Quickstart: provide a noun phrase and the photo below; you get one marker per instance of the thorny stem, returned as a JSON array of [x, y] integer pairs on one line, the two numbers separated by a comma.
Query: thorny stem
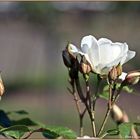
[[96, 92], [107, 112], [80, 112], [118, 93], [92, 112], [80, 93], [93, 102], [110, 103], [110, 96]]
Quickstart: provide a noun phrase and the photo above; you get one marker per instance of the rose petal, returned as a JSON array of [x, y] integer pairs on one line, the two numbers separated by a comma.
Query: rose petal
[[128, 56], [111, 52], [122, 76], [90, 47], [73, 48]]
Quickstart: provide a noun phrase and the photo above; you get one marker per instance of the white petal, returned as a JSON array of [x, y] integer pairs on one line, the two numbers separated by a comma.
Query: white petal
[[110, 52], [128, 56], [101, 41], [90, 47], [122, 76], [73, 48], [87, 42]]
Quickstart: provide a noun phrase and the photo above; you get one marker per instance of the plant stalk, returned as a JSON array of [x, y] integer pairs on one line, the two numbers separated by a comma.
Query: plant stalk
[[84, 100], [110, 103], [80, 113], [108, 110]]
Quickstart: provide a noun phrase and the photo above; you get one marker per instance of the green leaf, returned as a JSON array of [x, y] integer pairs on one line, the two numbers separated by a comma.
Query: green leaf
[[127, 89], [1, 127], [111, 132], [136, 124], [4, 119], [50, 134], [16, 131], [63, 132], [24, 121], [105, 92], [125, 129], [137, 127], [20, 112], [104, 95]]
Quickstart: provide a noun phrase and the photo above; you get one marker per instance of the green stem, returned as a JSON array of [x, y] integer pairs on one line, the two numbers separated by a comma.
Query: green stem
[[110, 105], [107, 112], [118, 93]]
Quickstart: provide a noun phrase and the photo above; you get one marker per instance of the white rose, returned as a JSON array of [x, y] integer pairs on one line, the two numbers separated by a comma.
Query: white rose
[[103, 54]]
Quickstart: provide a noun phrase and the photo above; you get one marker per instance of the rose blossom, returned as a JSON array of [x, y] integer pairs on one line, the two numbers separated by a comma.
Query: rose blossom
[[103, 54]]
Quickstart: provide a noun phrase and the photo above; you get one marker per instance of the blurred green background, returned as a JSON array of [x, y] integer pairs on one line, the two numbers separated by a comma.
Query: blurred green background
[[32, 37]]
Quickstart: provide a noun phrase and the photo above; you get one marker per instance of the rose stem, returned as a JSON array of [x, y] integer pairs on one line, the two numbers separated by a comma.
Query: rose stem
[[108, 110], [80, 113], [92, 113], [110, 106], [80, 93]]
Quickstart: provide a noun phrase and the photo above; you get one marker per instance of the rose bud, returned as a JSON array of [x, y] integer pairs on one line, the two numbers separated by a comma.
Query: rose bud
[[119, 69], [120, 116], [66, 58], [112, 74], [132, 78], [116, 114], [1, 87], [85, 67], [72, 50], [69, 55]]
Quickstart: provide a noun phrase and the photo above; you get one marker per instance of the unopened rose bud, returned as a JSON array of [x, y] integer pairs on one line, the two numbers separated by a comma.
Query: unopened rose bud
[[120, 116], [85, 67], [119, 70], [1, 87], [116, 114], [72, 50], [112, 74], [66, 58], [132, 78], [69, 56]]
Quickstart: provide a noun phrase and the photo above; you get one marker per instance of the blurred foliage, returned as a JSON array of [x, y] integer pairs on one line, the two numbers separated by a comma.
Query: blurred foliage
[[127, 5], [40, 12], [55, 80], [23, 128]]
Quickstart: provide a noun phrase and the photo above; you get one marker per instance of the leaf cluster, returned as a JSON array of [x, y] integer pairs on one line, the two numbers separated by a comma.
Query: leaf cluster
[[25, 127]]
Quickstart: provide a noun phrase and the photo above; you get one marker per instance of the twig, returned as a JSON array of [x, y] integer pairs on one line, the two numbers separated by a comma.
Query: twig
[[108, 110], [110, 105], [80, 113], [91, 115], [31, 132]]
